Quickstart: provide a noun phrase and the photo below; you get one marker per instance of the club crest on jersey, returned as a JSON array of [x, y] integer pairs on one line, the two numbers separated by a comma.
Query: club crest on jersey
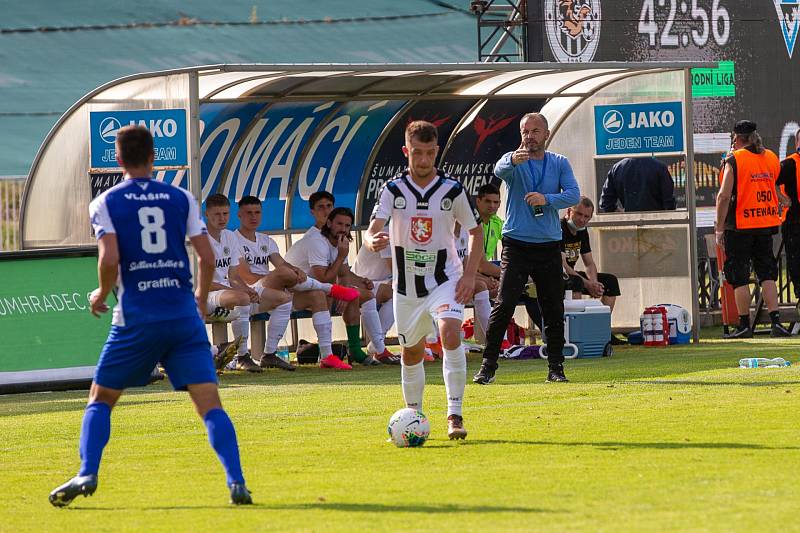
[[226, 251], [447, 204], [264, 248], [399, 202], [421, 229]]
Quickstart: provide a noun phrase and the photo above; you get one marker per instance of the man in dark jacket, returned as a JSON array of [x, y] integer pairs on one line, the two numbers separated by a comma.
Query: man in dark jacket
[[639, 184]]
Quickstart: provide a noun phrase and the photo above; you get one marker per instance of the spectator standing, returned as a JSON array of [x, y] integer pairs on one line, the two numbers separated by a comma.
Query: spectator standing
[[638, 184]]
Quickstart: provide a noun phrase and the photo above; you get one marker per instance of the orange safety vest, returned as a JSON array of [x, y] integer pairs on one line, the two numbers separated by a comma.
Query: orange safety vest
[[756, 202], [796, 158]]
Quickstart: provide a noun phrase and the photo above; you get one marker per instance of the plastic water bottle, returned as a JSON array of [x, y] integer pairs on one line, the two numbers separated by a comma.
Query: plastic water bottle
[[763, 362], [283, 351]]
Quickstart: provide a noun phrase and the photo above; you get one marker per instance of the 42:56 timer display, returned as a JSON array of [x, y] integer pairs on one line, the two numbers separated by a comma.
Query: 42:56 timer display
[[681, 23]]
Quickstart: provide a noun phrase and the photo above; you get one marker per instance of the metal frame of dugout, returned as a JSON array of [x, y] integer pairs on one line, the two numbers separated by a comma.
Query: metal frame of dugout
[[281, 132]]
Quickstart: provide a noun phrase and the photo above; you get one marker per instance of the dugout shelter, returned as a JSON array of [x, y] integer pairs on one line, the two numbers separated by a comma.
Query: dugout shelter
[[282, 132]]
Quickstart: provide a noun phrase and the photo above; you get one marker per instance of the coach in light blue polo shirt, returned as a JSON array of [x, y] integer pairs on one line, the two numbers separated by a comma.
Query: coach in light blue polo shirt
[[539, 184]]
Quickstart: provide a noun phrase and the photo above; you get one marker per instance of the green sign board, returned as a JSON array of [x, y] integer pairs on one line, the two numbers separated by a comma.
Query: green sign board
[[45, 321], [714, 82]]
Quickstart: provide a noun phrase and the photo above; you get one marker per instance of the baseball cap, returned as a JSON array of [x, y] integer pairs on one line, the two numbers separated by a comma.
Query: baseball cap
[[744, 127]]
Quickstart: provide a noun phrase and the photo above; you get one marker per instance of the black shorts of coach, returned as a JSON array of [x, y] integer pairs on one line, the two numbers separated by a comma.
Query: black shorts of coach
[[609, 281], [743, 250]]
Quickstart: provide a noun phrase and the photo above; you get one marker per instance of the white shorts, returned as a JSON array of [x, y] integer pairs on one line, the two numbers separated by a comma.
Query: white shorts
[[214, 310], [413, 316], [257, 286], [376, 285]]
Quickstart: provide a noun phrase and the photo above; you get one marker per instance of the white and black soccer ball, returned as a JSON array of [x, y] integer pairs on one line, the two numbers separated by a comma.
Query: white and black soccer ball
[[408, 428]]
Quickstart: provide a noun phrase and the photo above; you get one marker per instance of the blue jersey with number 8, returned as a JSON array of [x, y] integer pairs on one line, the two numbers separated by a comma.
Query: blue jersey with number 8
[[151, 220]]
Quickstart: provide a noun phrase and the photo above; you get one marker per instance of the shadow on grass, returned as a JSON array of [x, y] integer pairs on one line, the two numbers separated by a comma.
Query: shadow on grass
[[64, 406], [613, 445], [337, 506]]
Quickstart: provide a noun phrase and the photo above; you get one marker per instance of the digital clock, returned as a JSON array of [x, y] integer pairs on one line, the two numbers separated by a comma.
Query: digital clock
[[698, 21]]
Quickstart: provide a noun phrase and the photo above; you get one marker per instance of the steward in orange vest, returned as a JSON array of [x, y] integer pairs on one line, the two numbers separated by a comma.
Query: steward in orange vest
[[748, 215], [789, 179]]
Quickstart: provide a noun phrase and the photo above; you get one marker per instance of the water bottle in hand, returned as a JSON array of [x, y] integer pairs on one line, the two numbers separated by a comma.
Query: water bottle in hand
[[763, 362], [283, 351]]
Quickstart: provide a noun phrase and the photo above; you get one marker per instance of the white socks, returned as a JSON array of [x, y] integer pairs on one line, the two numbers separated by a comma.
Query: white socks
[[310, 284], [413, 380], [455, 378], [322, 325], [276, 326], [386, 314], [241, 327], [372, 325], [482, 311]]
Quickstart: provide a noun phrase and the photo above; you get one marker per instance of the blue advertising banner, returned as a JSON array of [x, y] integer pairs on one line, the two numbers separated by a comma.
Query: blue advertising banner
[[338, 156], [638, 128], [268, 155], [168, 127], [221, 127]]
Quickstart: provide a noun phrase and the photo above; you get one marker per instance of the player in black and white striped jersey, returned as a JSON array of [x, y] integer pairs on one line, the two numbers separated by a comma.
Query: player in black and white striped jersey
[[423, 206]]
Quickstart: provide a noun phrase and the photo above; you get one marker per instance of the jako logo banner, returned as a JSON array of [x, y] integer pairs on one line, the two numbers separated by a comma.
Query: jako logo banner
[[168, 127]]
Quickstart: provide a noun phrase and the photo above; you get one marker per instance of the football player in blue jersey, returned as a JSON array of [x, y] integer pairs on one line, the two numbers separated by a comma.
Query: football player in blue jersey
[[141, 227]]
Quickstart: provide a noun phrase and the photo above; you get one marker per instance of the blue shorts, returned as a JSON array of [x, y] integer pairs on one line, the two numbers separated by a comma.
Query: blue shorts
[[131, 352]]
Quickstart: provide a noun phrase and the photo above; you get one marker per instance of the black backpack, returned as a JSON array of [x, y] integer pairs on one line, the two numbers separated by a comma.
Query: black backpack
[[308, 352]]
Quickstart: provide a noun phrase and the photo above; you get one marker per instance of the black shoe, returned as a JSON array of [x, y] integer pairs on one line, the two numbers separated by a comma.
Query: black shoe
[[556, 374], [157, 374], [246, 363], [226, 351], [63, 495], [616, 341], [485, 375], [779, 331], [739, 333], [240, 495], [270, 360]]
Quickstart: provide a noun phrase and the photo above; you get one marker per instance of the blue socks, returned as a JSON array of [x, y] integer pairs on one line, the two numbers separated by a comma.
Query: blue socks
[[222, 437], [95, 432]]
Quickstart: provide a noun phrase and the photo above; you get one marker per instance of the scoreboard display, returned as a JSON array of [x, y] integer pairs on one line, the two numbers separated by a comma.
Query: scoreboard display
[[754, 41]]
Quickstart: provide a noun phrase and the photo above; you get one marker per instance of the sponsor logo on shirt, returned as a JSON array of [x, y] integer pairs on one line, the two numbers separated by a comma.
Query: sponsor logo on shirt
[[162, 283], [161, 263]]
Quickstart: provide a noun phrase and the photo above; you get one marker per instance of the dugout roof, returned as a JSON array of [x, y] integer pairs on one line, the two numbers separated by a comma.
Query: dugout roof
[[281, 132]]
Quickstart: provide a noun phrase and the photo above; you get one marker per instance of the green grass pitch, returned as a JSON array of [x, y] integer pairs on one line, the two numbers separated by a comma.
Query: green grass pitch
[[651, 439]]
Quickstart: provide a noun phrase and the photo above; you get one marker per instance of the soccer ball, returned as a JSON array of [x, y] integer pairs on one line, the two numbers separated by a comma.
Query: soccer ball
[[408, 428]]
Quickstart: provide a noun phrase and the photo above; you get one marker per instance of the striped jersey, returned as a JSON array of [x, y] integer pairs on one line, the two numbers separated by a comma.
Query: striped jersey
[[421, 224]]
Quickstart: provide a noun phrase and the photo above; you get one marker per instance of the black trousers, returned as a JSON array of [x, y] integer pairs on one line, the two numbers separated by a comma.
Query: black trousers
[[542, 262]]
